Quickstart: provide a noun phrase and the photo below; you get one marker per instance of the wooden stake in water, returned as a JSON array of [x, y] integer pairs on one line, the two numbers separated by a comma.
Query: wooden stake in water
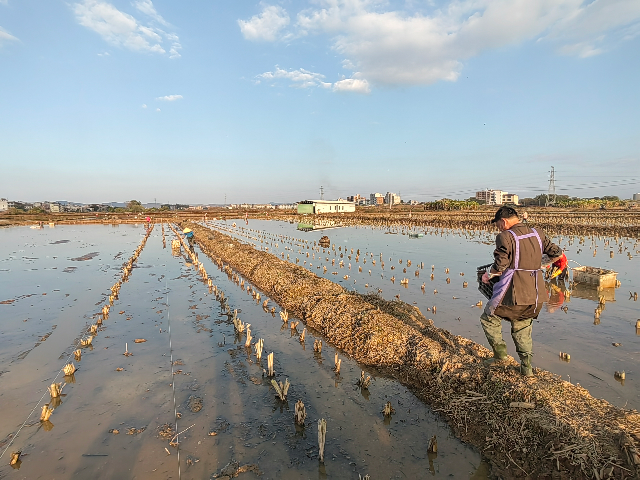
[[258, 346], [15, 458], [300, 413], [388, 410], [270, 365], [336, 368], [322, 435], [433, 445], [46, 413], [55, 389]]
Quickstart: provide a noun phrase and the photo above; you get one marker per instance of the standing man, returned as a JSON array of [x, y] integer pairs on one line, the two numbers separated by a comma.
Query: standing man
[[520, 291]]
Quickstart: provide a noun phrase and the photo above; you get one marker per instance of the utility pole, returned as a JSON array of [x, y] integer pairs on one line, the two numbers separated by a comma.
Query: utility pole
[[321, 192], [551, 194]]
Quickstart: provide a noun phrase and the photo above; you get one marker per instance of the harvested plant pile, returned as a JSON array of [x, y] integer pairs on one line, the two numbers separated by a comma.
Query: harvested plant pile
[[527, 427]]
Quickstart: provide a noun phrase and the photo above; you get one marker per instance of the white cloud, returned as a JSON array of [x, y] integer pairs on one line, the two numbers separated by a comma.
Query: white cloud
[[596, 27], [266, 25], [355, 85], [389, 46], [147, 7], [144, 105], [175, 45], [301, 78], [157, 109], [169, 98], [104, 54], [121, 29], [6, 36], [392, 47], [4, 2]]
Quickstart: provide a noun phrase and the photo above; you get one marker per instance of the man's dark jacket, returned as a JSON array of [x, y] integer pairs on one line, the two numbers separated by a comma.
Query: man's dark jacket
[[519, 301]]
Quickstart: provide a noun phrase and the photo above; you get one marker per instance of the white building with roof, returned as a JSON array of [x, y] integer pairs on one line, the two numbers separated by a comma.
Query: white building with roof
[[325, 206]]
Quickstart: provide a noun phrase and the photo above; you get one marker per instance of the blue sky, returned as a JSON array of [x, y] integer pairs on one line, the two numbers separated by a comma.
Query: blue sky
[[189, 101]]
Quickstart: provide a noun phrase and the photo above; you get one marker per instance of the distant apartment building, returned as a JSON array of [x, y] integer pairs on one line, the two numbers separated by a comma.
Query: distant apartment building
[[55, 208], [19, 205], [391, 199], [510, 198], [376, 199], [4, 205], [497, 197], [358, 199], [636, 196]]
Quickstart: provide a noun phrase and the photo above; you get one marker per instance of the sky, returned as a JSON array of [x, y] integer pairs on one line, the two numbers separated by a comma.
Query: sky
[[208, 101]]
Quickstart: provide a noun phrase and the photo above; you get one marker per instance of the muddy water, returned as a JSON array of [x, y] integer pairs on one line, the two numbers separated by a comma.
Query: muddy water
[[240, 418], [574, 330]]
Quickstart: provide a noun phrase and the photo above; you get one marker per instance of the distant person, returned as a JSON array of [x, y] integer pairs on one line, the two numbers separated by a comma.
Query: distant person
[[525, 217], [519, 292], [188, 234]]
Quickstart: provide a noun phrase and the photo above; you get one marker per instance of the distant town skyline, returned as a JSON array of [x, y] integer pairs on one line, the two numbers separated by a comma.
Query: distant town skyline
[[266, 101], [487, 196]]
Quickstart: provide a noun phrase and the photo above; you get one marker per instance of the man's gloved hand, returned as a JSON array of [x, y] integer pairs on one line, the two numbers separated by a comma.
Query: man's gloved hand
[[560, 266], [561, 263], [485, 277]]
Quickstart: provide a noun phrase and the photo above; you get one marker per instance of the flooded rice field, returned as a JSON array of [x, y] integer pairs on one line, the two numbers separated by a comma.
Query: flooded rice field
[[442, 274], [164, 360]]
